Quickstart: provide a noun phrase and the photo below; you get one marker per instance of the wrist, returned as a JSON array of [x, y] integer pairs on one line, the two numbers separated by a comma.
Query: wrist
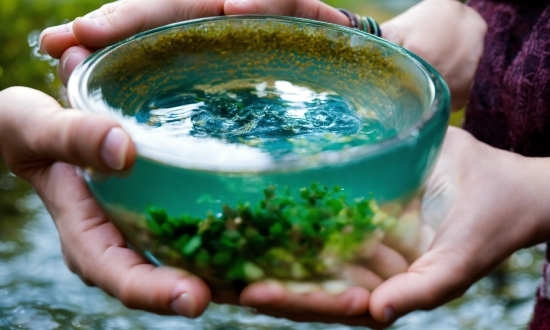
[[536, 176]]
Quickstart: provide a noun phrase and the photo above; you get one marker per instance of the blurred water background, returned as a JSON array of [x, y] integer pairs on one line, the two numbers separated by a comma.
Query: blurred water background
[[37, 291]]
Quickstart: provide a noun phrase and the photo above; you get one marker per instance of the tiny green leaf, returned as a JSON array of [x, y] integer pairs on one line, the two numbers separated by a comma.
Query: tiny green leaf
[[192, 246]]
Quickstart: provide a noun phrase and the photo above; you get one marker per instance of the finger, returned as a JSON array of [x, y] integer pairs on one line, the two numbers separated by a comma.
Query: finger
[[460, 255], [361, 276], [312, 9], [35, 130], [385, 262], [97, 251], [410, 237], [69, 60], [360, 320], [439, 275], [56, 39], [122, 19], [273, 295]]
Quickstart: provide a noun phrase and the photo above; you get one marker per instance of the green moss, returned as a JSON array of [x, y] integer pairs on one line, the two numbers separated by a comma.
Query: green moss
[[283, 237]]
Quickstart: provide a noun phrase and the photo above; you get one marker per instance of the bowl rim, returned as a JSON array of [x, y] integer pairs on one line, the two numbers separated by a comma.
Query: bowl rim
[[439, 103]]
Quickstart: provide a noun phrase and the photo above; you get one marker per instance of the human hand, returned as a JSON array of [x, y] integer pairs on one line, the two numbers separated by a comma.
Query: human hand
[[39, 141], [447, 34], [75, 41], [486, 203]]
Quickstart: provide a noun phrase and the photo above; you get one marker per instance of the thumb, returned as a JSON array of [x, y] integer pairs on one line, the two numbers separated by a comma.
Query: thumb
[[35, 130], [312, 9]]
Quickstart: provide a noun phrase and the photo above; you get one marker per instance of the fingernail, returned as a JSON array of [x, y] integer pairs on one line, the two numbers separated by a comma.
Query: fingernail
[[49, 31], [97, 21], [183, 305], [237, 2], [114, 148], [389, 313], [70, 62]]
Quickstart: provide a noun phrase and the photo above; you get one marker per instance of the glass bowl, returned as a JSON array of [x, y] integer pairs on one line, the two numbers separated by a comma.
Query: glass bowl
[[268, 147]]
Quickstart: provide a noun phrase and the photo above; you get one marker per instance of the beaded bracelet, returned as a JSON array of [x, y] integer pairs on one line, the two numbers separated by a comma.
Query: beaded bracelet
[[363, 23]]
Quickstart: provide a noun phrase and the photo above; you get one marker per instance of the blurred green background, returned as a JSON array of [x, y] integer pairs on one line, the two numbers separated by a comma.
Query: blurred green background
[[18, 66]]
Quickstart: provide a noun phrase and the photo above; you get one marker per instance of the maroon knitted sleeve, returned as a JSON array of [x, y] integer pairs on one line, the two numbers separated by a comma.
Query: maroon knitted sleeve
[[510, 103]]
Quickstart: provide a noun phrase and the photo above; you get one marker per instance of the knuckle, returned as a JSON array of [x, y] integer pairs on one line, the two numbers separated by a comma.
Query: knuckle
[[67, 125], [431, 300], [112, 20], [476, 21], [85, 276], [306, 9], [123, 10], [127, 8], [109, 8], [125, 293], [69, 265]]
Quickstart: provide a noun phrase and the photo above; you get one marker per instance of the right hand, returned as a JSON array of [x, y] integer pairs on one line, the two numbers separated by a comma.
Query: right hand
[[41, 142]]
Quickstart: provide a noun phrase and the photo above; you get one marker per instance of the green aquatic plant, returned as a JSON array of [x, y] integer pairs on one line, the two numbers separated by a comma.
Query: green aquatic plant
[[282, 236]]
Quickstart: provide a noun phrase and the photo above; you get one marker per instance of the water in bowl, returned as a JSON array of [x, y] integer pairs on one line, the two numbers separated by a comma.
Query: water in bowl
[[277, 116]]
